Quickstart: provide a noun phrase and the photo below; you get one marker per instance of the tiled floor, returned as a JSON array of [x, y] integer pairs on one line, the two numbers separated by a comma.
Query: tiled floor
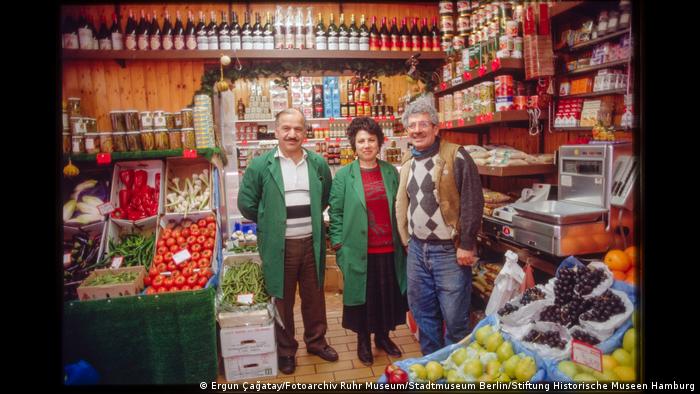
[[313, 369]]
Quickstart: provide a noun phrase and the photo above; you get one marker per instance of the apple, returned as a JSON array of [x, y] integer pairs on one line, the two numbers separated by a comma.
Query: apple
[[494, 341], [568, 368], [629, 340], [453, 376], [434, 370], [493, 368], [459, 355], [510, 364], [417, 372], [622, 357], [476, 346], [483, 333], [390, 369], [526, 369], [398, 376], [608, 375], [473, 367], [505, 351]]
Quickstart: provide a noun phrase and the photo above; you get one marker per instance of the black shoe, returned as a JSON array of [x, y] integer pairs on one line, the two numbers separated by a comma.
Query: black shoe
[[364, 349], [286, 364], [383, 342], [328, 353]]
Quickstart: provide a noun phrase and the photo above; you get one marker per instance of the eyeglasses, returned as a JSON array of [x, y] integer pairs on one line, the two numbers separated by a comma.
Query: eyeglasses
[[422, 125]]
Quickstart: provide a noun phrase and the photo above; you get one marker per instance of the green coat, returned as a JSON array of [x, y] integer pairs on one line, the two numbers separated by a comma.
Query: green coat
[[261, 199], [348, 226]]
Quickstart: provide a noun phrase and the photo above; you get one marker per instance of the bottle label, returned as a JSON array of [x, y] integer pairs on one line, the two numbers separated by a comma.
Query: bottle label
[[395, 43], [167, 42], [247, 42], [179, 42], [289, 40], [85, 38], [321, 43], [279, 41], [155, 42], [310, 40], [236, 42], [427, 43], [375, 43], [213, 42], [191, 42], [415, 43], [332, 42], [364, 42], [142, 42], [436, 44], [105, 44], [268, 42], [202, 42], [299, 40], [258, 43], [72, 41], [406, 43], [354, 43], [385, 42], [117, 41], [225, 42], [130, 42]]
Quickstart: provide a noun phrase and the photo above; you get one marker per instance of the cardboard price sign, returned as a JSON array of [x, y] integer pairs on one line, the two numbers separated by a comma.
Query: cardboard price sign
[[189, 153], [245, 299], [66, 258], [106, 208], [182, 256], [104, 158], [585, 354], [117, 262]]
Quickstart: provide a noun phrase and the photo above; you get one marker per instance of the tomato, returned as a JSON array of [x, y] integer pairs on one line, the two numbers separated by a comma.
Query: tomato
[[181, 240], [195, 248], [179, 281], [168, 257], [173, 249], [185, 288], [161, 243], [201, 239], [192, 280], [167, 232], [147, 280], [170, 242], [203, 263], [172, 266], [205, 272], [157, 260], [191, 240], [157, 282], [183, 246], [176, 233], [202, 223], [193, 227], [168, 282], [210, 219], [207, 254], [202, 281], [162, 250], [195, 233], [192, 264], [150, 291], [196, 256], [162, 290], [185, 233], [198, 287], [153, 271], [162, 267], [173, 289], [209, 244], [211, 226], [175, 273], [187, 271]]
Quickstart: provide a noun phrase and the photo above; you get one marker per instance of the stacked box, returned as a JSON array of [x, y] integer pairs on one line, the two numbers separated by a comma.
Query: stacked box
[[331, 97], [278, 98], [249, 352], [258, 105], [204, 121]]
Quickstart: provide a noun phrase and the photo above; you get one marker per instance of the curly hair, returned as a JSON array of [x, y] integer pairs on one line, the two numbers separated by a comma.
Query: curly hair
[[366, 124], [422, 105]]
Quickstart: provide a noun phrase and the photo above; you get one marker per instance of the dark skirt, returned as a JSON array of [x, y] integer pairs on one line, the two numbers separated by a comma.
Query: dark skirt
[[385, 307]]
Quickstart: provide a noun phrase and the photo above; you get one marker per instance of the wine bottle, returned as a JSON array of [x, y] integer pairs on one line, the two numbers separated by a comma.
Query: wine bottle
[[364, 34], [289, 31], [299, 30], [84, 32], [375, 41], [321, 39], [247, 33], [103, 36], [130, 32], [224, 33], [142, 33], [201, 33], [190, 32], [116, 34], [343, 35], [268, 34], [179, 32], [258, 43], [353, 35], [213, 32], [310, 35], [167, 36], [154, 34], [426, 38], [384, 36], [435, 33], [405, 37], [235, 33], [415, 36], [70, 34], [332, 35], [395, 36], [279, 28]]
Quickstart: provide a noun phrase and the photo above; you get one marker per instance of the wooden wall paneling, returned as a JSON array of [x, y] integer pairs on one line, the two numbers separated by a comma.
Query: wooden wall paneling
[[125, 91], [113, 86], [151, 84], [176, 96], [460, 137], [138, 87], [186, 84], [197, 71], [163, 79], [71, 84], [87, 96], [398, 10], [101, 109]]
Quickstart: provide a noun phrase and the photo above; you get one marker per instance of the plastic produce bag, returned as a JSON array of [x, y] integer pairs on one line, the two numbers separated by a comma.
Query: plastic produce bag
[[507, 283], [605, 284], [624, 287], [525, 313], [607, 328], [544, 351]]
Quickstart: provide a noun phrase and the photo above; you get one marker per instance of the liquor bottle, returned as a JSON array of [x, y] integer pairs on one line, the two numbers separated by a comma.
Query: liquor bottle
[[299, 30], [321, 39], [130, 32], [201, 33], [435, 33], [364, 34], [310, 35], [405, 37], [279, 28], [395, 36], [116, 34], [343, 35], [353, 35], [385, 40], [235, 33], [103, 38], [224, 33], [142, 33], [168, 34], [426, 38], [247, 33], [190, 32], [332, 35], [154, 34], [178, 33], [415, 36], [289, 31], [268, 34], [258, 43], [84, 32], [213, 32], [375, 40]]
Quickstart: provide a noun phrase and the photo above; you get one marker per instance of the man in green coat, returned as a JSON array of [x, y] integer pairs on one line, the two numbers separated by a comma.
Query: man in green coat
[[285, 191]]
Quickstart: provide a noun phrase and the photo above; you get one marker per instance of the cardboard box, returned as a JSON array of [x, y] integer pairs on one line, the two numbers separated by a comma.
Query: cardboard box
[[114, 290], [177, 167], [116, 228], [244, 318], [250, 367], [152, 167], [247, 340], [174, 219]]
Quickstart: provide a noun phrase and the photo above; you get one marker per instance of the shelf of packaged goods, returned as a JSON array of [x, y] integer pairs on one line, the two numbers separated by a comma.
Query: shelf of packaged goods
[[590, 128], [533, 169], [473, 77], [338, 119], [589, 43], [594, 94], [476, 124], [77, 54], [207, 153], [588, 69], [564, 7]]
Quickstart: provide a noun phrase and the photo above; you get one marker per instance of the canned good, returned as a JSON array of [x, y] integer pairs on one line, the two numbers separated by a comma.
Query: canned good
[[503, 86], [187, 119], [78, 144], [66, 143], [505, 43], [64, 119], [458, 43], [352, 110], [504, 103], [463, 24], [106, 145], [343, 110], [161, 139], [90, 125], [368, 109], [175, 139], [169, 120], [119, 139], [92, 143], [77, 125], [159, 121], [512, 28], [133, 141], [463, 6], [189, 139], [146, 118], [73, 106], [520, 102], [447, 72], [118, 120], [177, 116], [364, 94], [447, 25], [132, 121], [360, 109], [446, 7], [148, 141], [446, 42]]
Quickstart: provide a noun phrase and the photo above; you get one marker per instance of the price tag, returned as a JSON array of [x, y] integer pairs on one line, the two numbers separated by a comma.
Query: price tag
[[460, 122], [104, 158], [443, 86], [584, 354], [166, 273], [189, 153], [244, 142], [196, 270], [106, 208], [66, 259], [181, 256], [482, 71], [496, 64], [246, 299], [328, 139], [392, 117], [117, 262]]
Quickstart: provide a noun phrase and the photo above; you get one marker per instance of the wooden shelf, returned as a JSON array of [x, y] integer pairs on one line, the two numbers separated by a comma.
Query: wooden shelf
[[207, 153], [584, 70], [564, 7], [593, 94], [476, 124], [471, 78], [533, 169], [589, 43], [338, 119], [590, 128], [77, 54]]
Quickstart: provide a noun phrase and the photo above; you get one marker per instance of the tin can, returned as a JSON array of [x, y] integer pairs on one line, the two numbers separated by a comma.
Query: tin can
[[520, 102], [446, 7], [512, 28], [360, 109], [463, 6], [504, 103], [352, 110], [503, 86], [463, 24], [368, 109], [458, 43], [343, 110], [447, 25], [446, 42]]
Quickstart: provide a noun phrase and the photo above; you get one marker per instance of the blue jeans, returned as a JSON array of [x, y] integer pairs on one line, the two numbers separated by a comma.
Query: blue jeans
[[438, 289]]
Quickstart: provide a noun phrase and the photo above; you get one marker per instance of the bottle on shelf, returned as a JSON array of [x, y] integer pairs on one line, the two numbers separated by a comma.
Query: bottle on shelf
[[247, 33], [70, 34], [321, 39], [142, 38], [406, 42], [116, 35], [130, 32], [154, 34], [224, 33], [268, 34], [299, 30], [375, 41], [426, 37], [332, 35], [384, 37], [235, 33], [310, 38], [363, 35], [289, 32], [168, 41], [258, 43], [353, 35], [415, 36], [85, 38], [279, 28], [395, 36], [213, 32], [179, 36], [103, 37], [343, 35], [201, 33], [435, 33]]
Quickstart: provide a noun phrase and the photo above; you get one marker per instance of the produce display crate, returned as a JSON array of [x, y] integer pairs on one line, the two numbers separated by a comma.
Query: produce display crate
[[152, 167], [115, 228], [112, 290], [184, 169]]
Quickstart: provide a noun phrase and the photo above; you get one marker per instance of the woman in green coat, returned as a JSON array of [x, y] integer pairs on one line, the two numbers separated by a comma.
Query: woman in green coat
[[364, 234]]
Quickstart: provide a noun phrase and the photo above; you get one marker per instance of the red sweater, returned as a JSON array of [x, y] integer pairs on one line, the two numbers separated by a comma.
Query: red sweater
[[379, 234]]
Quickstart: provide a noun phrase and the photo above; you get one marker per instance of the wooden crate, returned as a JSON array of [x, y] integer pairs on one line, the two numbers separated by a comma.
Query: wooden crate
[[86, 293]]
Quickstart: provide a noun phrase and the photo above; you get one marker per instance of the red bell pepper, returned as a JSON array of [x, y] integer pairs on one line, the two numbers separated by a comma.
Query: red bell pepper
[[124, 197], [127, 178], [140, 179]]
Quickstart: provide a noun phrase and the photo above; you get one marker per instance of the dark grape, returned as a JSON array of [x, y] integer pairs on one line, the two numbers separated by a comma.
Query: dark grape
[[549, 338], [588, 280], [507, 309], [530, 295], [585, 337], [602, 307]]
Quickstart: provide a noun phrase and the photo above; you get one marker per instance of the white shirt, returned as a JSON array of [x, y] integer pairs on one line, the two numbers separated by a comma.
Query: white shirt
[[296, 194]]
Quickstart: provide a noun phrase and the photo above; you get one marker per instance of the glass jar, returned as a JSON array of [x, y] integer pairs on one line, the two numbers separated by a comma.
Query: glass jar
[[92, 143], [177, 116], [189, 139], [66, 143], [119, 140], [74, 106], [133, 141], [118, 119], [78, 144], [146, 120], [169, 120], [90, 125], [159, 119], [161, 139], [148, 140], [106, 144], [65, 122], [613, 22], [175, 139], [77, 125], [187, 118], [131, 118]]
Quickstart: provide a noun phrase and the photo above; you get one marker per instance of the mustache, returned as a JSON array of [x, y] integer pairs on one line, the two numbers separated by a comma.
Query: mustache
[[291, 139]]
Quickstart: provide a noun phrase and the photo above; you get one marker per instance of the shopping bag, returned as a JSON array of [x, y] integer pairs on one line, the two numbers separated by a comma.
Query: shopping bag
[[507, 283]]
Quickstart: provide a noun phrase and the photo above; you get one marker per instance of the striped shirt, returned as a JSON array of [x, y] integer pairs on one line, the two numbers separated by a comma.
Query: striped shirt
[[296, 195]]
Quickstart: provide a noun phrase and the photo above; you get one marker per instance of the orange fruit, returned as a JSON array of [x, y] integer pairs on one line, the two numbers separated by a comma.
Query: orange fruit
[[631, 252], [617, 260], [619, 275], [630, 277]]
